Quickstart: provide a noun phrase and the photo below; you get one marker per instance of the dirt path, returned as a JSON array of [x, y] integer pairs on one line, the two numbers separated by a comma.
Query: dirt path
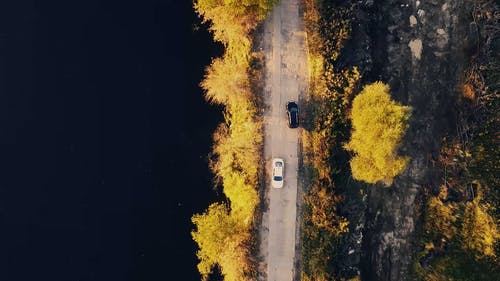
[[286, 78]]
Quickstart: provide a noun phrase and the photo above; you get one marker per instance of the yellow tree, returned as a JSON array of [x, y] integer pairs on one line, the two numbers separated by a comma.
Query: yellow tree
[[226, 83], [223, 234], [379, 124], [213, 229], [479, 230], [232, 21], [233, 259], [440, 219], [243, 197], [324, 211]]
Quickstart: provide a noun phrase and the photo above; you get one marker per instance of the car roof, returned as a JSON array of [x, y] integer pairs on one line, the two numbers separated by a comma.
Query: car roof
[[278, 171], [278, 160]]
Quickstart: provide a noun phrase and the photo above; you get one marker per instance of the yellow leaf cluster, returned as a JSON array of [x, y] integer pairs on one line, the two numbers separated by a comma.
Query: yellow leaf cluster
[[237, 143], [233, 261], [226, 82], [479, 230], [213, 229], [221, 241], [223, 233], [440, 218], [379, 124], [323, 211], [317, 153], [233, 20], [244, 197], [236, 166], [329, 94]]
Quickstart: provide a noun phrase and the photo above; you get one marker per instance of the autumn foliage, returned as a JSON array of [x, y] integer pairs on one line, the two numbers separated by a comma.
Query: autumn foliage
[[324, 211], [440, 219], [330, 89], [232, 21], [459, 239], [468, 161], [223, 231], [220, 239], [479, 230], [379, 124]]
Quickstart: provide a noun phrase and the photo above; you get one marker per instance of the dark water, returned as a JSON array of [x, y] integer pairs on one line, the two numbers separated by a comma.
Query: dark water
[[103, 139]]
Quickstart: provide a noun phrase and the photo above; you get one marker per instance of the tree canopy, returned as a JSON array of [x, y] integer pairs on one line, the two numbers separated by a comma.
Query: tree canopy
[[223, 231], [379, 124], [220, 239]]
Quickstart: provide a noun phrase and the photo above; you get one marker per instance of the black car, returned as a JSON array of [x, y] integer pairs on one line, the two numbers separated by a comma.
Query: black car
[[292, 111]]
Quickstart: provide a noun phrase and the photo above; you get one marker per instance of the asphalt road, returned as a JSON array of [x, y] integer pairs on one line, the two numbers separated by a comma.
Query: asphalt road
[[286, 79]]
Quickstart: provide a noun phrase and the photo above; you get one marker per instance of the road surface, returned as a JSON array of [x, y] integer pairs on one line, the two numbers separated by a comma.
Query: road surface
[[286, 79]]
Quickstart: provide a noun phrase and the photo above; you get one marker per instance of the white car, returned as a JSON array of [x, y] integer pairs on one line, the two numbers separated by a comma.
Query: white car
[[277, 176]]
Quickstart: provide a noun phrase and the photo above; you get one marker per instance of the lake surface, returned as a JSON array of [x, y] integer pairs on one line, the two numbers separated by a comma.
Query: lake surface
[[104, 136]]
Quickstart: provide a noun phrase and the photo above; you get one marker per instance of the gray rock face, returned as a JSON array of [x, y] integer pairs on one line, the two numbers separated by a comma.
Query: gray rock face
[[418, 48]]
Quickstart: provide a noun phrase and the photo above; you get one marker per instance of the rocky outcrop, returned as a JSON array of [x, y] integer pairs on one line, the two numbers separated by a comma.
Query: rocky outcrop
[[419, 49]]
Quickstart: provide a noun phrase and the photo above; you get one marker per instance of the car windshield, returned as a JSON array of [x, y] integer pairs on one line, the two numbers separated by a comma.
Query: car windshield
[[279, 164], [276, 178]]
